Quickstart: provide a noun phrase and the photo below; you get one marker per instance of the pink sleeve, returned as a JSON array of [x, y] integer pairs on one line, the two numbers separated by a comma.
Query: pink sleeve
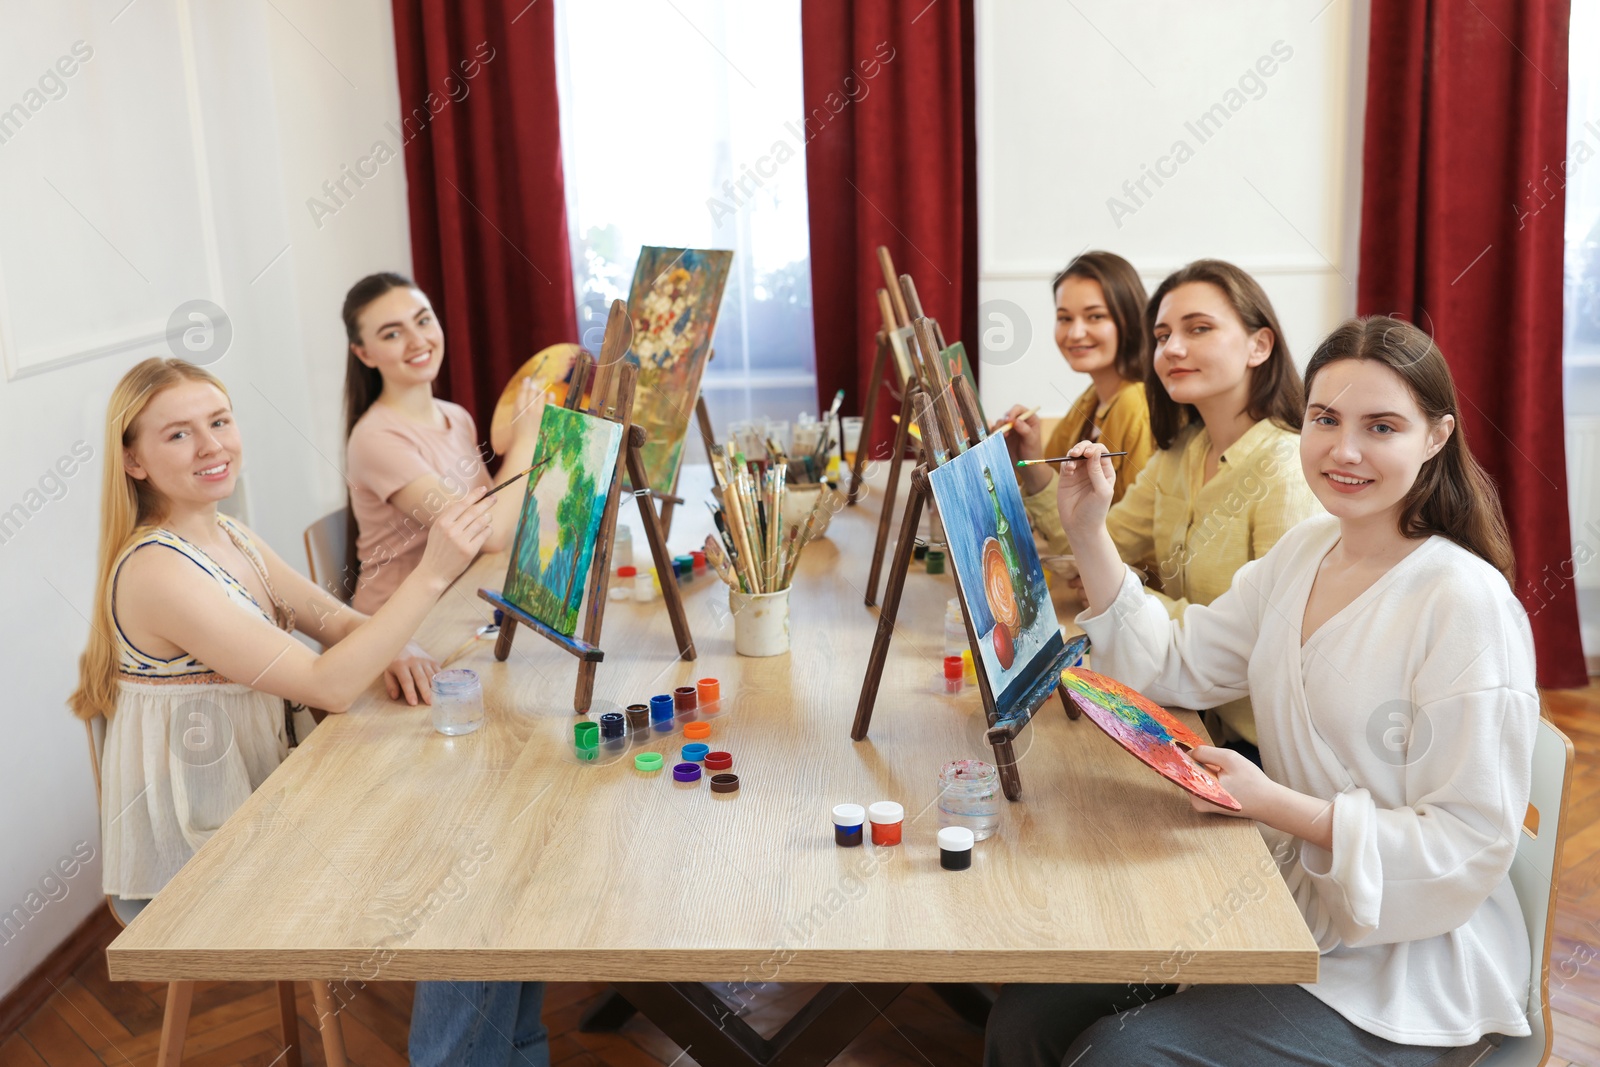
[[384, 461]]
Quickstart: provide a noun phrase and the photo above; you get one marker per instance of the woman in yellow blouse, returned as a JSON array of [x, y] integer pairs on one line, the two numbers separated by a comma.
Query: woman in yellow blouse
[[1100, 330], [1226, 405]]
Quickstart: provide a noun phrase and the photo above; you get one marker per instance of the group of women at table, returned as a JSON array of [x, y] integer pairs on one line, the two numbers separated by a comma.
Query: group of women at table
[[1297, 555]]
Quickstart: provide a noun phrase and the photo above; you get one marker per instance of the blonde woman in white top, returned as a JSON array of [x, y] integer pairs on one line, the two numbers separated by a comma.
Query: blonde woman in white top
[[189, 658], [1396, 608]]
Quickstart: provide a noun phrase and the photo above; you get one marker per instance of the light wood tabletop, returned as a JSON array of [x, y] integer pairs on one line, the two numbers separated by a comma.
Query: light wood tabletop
[[381, 849]]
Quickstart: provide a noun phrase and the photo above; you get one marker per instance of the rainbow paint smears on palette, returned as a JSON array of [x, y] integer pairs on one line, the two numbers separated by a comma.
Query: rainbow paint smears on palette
[[1145, 729]]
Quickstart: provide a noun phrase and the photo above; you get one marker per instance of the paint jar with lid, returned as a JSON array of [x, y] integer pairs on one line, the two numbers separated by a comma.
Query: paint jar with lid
[[622, 587], [457, 702], [622, 551], [969, 795], [644, 586], [955, 629]]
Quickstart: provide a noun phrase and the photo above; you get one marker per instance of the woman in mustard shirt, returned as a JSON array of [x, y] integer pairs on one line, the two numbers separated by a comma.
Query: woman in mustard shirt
[[1100, 330]]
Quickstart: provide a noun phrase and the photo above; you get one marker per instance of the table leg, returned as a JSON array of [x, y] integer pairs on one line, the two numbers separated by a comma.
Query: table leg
[[712, 1032], [969, 1000], [608, 1014]]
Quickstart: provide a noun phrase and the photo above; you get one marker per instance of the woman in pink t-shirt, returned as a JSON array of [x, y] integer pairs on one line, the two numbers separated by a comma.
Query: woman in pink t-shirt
[[409, 453]]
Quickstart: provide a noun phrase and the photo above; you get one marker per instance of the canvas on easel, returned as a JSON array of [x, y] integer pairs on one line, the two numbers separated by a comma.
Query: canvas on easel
[[673, 304], [576, 457], [548, 578], [1011, 624], [997, 567]]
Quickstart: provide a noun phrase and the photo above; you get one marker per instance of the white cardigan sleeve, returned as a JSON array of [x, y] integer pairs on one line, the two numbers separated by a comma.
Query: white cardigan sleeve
[[1200, 661], [1409, 872]]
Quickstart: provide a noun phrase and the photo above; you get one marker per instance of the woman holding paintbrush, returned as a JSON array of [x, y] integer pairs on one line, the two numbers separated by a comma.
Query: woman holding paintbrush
[[1100, 331], [409, 453], [1394, 608]]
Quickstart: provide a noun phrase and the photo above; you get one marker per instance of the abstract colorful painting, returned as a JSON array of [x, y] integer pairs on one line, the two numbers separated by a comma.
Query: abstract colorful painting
[[1145, 728], [561, 515], [997, 566], [673, 302]]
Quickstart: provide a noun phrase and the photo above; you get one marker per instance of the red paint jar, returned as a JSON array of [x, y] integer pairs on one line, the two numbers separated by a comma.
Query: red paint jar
[[886, 818]]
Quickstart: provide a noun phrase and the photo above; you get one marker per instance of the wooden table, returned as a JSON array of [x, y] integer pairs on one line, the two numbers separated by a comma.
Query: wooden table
[[382, 850]]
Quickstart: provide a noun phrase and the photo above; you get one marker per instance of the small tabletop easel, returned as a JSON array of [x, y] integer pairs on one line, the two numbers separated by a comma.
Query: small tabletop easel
[[938, 432], [587, 649]]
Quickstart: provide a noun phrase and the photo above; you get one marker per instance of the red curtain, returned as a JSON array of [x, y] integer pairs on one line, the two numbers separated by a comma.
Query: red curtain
[[1466, 121], [482, 140], [891, 159]]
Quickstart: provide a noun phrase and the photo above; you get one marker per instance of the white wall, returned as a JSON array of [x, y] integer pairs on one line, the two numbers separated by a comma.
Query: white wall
[[173, 164], [1076, 99]]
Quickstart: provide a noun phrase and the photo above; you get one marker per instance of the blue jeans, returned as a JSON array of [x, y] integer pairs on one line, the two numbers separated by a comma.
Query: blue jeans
[[478, 1024]]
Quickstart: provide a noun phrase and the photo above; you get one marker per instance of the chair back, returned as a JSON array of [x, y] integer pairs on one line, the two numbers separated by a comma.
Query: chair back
[[326, 540], [1534, 874]]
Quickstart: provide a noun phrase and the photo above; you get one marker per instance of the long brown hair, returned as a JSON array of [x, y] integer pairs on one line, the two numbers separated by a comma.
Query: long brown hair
[[1453, 496], [362, 386], [1276, 392], [362, 383], [1125, 300], [127, 506]]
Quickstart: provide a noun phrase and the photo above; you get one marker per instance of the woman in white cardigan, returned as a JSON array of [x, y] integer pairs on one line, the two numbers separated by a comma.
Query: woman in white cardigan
[[1392, 674]]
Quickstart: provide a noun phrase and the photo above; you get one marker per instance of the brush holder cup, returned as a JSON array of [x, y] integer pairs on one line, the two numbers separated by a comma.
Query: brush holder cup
[[760, 622]]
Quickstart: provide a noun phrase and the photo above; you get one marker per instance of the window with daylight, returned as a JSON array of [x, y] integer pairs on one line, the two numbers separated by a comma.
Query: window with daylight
[[1581, 300], [671, 135]]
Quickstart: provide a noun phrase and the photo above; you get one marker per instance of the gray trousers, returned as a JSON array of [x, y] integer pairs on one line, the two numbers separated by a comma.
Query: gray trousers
[[1205, 1026]]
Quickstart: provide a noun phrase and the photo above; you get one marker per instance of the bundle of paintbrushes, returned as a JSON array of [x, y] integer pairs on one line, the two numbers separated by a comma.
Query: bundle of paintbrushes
[[755, 550]]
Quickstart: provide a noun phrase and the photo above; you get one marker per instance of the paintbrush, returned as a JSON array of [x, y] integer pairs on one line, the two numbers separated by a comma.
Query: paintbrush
[[515, 477], [1063, 459], [1005, 426]]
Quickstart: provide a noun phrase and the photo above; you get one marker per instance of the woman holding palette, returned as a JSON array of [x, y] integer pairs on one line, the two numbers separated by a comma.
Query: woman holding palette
[[409, 455], [1393, 608]]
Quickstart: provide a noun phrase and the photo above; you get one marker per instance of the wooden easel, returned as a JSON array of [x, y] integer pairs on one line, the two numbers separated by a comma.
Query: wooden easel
[[587, 649], [930, 379], [892, 310], [1002, 732]]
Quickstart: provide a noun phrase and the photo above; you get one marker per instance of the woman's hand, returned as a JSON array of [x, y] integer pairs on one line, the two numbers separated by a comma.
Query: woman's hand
[[1025, 441], [411, 673], [456, 536], [1083, 492], [1244, 781]]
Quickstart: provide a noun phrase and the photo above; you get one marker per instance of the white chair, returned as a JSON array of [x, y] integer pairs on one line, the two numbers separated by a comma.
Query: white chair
[[1534, 873], [180, 995]]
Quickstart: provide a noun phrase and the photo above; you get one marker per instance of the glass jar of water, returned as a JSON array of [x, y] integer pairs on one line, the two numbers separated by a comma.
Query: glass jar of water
[[969, 795], [457, 702]]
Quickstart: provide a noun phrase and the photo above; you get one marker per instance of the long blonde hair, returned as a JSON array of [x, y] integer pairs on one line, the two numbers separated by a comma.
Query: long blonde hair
[[127, 506]]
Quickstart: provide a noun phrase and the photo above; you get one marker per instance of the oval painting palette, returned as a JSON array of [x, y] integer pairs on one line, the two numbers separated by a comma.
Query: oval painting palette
[[1147, 730]]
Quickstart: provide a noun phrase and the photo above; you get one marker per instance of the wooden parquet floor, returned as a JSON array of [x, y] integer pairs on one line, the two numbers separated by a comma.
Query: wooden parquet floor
[[91, 1021]]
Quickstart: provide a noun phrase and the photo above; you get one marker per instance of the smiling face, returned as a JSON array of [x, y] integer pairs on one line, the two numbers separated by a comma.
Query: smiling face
[[1202, 348], [185, 444], [1085, 332], [401, 338], [1365, 439]]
